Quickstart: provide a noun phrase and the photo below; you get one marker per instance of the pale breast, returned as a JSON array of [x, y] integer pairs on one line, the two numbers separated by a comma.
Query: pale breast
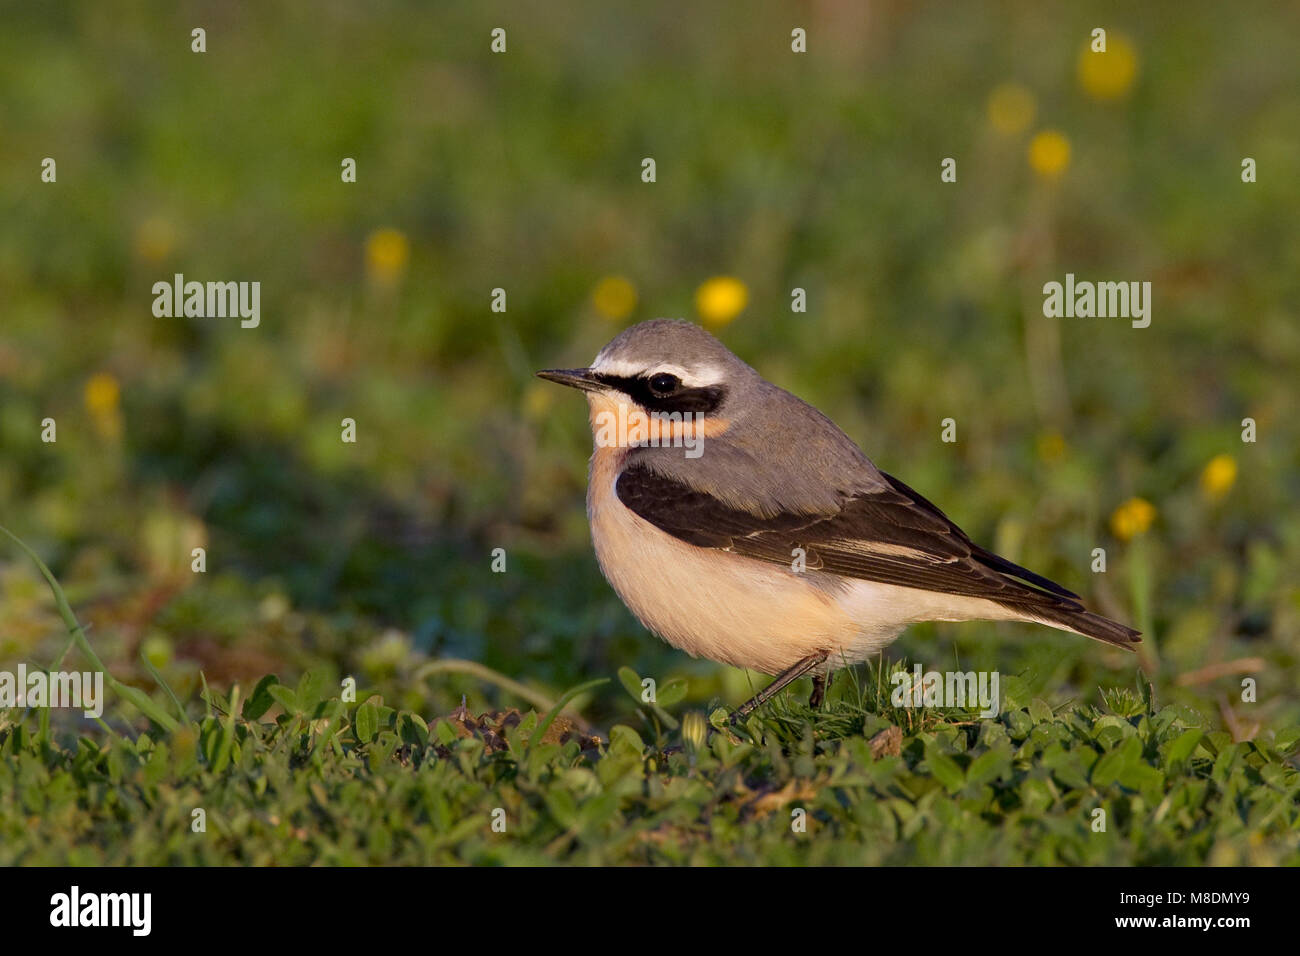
[[716, 604]]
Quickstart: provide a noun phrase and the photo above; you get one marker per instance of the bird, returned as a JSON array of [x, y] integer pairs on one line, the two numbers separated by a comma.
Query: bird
[[740, 524]]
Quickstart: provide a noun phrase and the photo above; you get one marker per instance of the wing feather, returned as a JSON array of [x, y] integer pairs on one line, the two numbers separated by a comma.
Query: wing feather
[[893, 536]]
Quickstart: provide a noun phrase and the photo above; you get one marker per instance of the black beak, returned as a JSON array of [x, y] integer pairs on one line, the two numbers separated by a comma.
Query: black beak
[[579, 378]]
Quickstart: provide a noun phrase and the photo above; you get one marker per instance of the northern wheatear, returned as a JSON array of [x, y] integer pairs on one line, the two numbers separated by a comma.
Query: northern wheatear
[[740, 524]]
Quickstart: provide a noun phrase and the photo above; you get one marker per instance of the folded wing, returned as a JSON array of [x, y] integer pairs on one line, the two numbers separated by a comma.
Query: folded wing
[[894, 536]]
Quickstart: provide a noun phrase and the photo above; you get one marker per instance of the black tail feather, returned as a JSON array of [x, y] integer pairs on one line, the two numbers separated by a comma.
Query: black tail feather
[[1088, 624], [999, 563]]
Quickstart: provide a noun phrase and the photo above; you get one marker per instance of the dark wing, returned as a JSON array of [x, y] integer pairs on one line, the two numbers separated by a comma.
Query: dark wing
[[894, 536]]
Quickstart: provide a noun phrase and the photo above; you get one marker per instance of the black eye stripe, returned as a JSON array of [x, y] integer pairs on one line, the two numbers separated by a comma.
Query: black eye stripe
[[702, 399]]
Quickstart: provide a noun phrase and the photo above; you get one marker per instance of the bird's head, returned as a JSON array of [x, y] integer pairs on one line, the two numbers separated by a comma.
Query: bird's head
[[658, 380]]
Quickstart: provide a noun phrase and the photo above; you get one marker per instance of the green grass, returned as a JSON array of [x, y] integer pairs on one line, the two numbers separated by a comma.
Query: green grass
[[294, 775], [332, 783]]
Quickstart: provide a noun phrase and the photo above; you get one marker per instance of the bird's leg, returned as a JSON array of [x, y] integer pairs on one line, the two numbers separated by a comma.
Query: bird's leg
[[783, 679], [819, 689]]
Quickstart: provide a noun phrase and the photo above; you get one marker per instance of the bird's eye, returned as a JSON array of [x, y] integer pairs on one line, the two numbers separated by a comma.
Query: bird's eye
[[664, 384]]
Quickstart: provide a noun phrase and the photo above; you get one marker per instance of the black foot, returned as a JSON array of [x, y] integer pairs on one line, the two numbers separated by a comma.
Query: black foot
[[819, 690]]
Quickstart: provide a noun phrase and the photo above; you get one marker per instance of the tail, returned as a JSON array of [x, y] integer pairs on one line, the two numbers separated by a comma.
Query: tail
[[1057, 607], [1088, 624]]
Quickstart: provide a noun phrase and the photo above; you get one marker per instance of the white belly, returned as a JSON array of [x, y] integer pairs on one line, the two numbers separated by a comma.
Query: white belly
[[716, 604], [745, 612]]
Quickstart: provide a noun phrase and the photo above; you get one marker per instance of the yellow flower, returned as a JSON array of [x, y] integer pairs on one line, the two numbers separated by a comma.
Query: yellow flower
[[614, 297], [1109, 75], [1049, 153], [1051, 446], [1132, 518], [1011, 108], [154, 239], [695, 732], [103, 398], [721, 299], [1219, 476], [103, 394], [387, 252]]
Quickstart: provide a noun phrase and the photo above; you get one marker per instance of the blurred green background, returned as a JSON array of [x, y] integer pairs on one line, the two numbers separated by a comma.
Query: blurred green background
[[522, 171]]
